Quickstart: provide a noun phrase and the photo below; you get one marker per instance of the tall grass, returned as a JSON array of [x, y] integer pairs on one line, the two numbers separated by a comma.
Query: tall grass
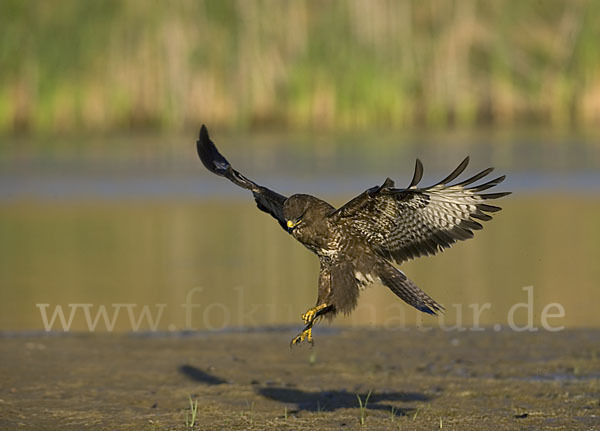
[[68, 65]]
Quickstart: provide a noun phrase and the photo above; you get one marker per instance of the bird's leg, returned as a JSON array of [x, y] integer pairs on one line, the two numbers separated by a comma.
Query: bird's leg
[[306, 334], [310, 318], [312, 313]]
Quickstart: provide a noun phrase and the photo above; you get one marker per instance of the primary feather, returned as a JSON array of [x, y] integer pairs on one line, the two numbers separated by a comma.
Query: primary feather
[[402, 224], [266, 200]]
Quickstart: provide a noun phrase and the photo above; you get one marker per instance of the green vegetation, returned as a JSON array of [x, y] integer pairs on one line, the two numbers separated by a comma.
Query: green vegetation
[[250, 414], [393, 413], [67, 65], [416, 413], [363, 408], [191, 416]]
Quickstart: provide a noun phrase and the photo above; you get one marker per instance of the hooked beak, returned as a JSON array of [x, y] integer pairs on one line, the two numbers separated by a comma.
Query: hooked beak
[[292, 224]]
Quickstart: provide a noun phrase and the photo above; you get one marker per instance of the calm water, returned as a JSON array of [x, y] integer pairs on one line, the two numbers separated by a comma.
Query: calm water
[[106, 239]]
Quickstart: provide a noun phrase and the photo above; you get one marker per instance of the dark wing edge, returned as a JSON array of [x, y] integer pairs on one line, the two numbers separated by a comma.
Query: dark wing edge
[[402, 224], [266, 200]]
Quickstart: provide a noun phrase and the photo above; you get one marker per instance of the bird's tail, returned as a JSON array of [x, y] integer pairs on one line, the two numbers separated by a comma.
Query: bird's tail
[[406, 290]]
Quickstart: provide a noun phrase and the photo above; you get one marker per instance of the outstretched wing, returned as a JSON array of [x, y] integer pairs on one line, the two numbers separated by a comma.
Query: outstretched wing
[[267, 200], [401, 224]]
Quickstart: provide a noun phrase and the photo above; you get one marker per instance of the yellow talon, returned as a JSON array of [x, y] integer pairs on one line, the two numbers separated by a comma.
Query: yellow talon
[[309, 319], [304, 335], [310, 314]]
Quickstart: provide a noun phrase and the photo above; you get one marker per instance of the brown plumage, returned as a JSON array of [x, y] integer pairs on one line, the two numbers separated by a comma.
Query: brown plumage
[[358, 242]]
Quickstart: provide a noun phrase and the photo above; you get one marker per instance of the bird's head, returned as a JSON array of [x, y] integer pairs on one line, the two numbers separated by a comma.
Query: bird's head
[[294, 210], [302, 210]]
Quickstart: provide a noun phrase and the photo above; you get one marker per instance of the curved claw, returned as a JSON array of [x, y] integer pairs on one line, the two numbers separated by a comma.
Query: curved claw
[[304, 335], [312, 313]]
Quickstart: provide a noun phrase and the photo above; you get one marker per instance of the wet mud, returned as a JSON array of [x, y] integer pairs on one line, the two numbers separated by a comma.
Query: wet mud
[[417, 380]]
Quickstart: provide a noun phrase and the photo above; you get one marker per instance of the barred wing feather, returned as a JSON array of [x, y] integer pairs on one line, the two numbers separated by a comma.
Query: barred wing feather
[[402, 224]]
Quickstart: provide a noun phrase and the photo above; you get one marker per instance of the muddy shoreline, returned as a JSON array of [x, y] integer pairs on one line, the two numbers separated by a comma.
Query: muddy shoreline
[[253, 380]]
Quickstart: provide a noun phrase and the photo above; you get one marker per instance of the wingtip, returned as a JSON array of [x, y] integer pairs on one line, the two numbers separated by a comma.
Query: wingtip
[[419, 164], [203, 135], [417, 175], [209, 155], [203, 140], [455, 173], [494, 195], [465, 163], [432, 309]]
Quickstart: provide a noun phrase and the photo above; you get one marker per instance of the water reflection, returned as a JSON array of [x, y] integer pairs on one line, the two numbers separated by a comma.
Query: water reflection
[[237, 267]]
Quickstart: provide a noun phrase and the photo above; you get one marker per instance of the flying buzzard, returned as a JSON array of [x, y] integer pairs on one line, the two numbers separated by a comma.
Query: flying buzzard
[[357, 243]]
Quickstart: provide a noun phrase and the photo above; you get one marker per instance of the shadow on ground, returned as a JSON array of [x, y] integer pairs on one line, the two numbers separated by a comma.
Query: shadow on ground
[[334, 399], [197, 375], [328, 400]]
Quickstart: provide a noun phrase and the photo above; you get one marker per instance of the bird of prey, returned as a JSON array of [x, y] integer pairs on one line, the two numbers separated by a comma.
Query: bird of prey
[[358, 243]]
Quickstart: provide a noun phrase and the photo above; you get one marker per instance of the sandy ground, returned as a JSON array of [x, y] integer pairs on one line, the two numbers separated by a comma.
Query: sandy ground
[[253, 380]]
